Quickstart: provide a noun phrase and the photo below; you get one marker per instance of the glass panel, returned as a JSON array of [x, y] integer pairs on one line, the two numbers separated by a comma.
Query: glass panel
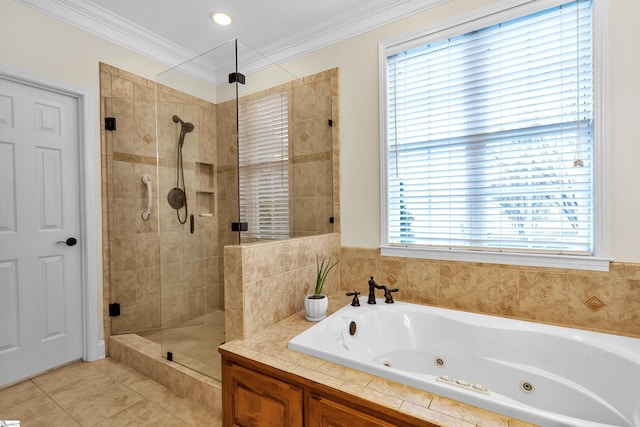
[[284, 151], [212, 116], [197, 177], [132, 282]]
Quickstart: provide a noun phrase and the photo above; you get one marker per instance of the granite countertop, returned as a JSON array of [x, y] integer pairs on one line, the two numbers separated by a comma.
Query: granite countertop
[[269, 347]]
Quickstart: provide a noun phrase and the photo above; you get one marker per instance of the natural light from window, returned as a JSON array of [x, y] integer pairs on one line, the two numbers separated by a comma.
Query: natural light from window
[[490, 137]]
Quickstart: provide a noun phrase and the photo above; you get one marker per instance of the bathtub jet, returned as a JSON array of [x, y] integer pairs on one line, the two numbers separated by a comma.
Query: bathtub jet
[[547, 375]]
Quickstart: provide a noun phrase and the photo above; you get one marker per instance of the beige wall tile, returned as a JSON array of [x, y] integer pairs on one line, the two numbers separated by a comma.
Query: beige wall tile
[[498, 291], [281, 286], [121, 88], [458, 286], [543, 296], [423, 283]]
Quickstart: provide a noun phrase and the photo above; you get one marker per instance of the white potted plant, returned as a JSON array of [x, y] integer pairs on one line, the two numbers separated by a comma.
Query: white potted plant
[[316, 303]]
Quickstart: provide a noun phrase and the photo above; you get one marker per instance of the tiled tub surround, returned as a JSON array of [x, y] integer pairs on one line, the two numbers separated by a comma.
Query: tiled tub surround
[[269, 347], [599, 301]]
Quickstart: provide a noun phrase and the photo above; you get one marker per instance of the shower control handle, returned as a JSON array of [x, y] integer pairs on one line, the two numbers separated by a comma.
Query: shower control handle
[[71, 241]]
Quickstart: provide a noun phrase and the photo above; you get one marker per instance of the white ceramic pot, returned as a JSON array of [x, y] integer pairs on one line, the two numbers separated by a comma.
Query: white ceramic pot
[[316, 307]]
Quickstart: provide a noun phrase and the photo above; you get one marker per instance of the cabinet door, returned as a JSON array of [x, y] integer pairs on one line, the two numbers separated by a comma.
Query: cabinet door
[[327, 413], [256, 400]]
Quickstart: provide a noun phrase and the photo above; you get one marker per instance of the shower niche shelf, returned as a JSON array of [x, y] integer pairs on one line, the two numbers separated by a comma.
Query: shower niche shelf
[[205, 175], [205, 203], [205, 196]]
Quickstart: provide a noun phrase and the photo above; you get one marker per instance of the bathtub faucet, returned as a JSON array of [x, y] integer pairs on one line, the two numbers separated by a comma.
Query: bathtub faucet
[[388, 298]]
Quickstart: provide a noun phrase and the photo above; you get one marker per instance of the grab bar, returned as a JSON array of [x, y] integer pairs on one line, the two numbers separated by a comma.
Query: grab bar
[[146, 179]]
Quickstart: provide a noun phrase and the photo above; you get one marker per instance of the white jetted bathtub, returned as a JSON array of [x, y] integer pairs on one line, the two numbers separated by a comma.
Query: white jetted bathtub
[[546, 375]]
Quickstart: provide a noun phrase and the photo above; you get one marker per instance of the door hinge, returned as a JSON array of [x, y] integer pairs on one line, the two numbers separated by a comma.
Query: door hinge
[[237, 77], [114, 309], [239, 226], [110, 123]]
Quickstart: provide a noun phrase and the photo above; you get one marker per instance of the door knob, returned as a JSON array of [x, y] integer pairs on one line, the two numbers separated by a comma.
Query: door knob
[[69, 242]]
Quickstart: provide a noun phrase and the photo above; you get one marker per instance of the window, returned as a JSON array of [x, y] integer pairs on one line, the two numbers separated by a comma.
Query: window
[[263, 157], [489, 142]]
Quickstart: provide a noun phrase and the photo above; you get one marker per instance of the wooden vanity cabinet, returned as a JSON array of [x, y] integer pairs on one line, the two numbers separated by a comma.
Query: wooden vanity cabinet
[[255, 400], [258, 395], [323, 412]]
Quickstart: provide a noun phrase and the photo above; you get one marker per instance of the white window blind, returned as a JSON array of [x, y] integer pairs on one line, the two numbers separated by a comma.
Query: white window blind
[[489, 142], [263, 157]]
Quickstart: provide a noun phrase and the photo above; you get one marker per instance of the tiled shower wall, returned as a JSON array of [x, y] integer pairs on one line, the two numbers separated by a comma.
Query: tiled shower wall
[[266, 282], [314, 156], [599, 301], [132, 249], [313, 147], [275, 276], [130, 245], [190, 273]]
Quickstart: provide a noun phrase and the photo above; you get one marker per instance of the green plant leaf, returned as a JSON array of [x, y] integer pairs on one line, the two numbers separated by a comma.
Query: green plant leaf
[[322, 271]]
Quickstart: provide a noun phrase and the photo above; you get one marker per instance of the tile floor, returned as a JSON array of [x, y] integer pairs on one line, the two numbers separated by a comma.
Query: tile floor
[[102, 393], [194, 345]]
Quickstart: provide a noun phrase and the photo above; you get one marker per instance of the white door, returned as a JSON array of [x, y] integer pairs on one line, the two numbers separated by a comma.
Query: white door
[[40, 279]]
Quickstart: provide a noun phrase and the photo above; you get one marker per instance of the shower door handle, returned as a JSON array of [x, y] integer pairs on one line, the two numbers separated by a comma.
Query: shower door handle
[[146, 179]]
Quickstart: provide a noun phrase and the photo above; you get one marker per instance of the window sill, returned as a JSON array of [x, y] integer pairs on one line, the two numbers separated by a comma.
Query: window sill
[[575, 262]]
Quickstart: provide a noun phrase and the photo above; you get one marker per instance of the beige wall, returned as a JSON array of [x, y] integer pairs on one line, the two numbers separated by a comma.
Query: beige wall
[[358, 62], [43, 45], [37, 43]]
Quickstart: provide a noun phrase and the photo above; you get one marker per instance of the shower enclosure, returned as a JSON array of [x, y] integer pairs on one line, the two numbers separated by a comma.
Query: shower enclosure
[[243, 153]]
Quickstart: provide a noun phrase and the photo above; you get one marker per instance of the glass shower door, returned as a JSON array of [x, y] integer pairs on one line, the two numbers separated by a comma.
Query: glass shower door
[[244, 153], [192, 208]]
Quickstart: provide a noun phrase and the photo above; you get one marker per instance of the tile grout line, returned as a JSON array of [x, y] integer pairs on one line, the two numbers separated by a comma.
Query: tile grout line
[[53, 400]]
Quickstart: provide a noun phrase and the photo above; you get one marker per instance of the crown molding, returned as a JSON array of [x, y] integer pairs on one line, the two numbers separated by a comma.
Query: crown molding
[[109, 26], [354, 24]]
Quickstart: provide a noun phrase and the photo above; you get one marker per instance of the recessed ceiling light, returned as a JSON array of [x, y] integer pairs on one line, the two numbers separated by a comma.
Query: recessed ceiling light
[[221, 18]]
